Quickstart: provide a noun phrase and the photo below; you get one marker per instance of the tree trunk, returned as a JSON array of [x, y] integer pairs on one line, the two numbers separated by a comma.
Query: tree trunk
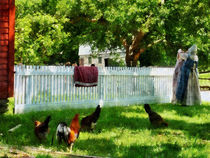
[[132, 58], [133, 50]]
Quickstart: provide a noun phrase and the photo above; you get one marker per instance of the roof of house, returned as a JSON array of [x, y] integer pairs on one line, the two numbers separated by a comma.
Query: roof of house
[[86, 50]]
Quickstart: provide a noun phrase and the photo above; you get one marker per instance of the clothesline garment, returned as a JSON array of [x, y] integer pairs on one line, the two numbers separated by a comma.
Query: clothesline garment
[[188, 88], [181, 57], [85, 76], [193, 96]]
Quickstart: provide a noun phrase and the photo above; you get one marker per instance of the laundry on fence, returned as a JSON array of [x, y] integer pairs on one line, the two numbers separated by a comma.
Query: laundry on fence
[[183, 80], [85, 76]]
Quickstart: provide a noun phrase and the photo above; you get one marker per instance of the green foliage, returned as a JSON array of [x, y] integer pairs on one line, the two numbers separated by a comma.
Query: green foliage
[[187, 23], [43, 156], [50, 31], [40, 35], [7, 106], [120, 132], [116, 60], [3, 105], [39, 38], [11, 106]]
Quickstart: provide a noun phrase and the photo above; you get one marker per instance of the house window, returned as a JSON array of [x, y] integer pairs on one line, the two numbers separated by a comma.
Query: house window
[[106, 62], [100, 60], [89, 60]]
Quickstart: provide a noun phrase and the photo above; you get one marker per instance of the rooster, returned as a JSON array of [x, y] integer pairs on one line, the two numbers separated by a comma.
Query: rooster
[[42, 128], [74, 131], [88, 123], [154, 118], [62, 133]]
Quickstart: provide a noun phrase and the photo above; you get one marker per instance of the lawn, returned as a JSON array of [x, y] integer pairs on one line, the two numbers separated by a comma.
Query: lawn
[[204, 75], [204, 79], [120, 132]]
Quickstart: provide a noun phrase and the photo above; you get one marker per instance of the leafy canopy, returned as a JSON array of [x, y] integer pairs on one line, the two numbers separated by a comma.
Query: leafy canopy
[[51, 31]]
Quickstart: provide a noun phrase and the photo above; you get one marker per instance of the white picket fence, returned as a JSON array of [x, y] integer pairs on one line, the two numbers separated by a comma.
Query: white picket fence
[[52, 87]]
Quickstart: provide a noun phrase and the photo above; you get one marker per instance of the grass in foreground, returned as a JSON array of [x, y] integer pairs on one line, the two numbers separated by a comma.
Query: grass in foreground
[[120, 132]]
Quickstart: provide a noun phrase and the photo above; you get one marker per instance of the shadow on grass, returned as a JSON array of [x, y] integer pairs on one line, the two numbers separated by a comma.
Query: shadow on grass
[[162, 151], [110, 118], [193, 129], [201, 131], [24, 136], [188, 111], [96, 146], [137, 151]]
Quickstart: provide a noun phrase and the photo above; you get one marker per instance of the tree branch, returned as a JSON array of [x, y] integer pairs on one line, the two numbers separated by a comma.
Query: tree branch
[[153, 43], [135, 44], [125, 44], [137, 55]]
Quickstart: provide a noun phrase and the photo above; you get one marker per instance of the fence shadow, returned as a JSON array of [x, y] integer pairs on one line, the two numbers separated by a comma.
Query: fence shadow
[[139, 151]]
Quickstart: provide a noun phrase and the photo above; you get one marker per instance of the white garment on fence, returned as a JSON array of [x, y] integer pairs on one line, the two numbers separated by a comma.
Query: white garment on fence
[[181, 57], [193, 96]]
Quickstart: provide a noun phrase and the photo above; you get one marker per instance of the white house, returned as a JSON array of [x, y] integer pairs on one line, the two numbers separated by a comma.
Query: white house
[[100, 59]]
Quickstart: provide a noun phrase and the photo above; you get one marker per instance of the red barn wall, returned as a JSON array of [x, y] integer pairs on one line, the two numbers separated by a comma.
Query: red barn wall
[[7, 29]]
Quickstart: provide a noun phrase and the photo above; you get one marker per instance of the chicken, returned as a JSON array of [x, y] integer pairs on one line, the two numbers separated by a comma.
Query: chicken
[[88, 123], [155, 119], [74, 131], [42, 129], [62, 133]]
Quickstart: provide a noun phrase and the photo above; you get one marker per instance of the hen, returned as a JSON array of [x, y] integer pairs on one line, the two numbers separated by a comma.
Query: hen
[[88, 123], [74, 131], [154, 118], [42, 128]]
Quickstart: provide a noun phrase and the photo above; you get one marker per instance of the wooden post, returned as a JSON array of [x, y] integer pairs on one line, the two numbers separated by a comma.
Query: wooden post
[[4, 9], [7, 32], [11, 48]]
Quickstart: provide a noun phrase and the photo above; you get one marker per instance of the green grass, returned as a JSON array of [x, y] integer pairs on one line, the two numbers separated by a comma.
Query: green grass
[[203, 79], [204, 75], [120, 132]]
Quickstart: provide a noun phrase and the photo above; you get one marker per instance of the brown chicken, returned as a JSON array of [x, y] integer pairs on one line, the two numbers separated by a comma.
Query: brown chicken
[[155, 118], [74, 131], [42, 129], [88, 123]]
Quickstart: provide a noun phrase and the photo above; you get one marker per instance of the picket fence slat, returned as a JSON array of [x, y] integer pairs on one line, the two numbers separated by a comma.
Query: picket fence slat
[[44, 87]]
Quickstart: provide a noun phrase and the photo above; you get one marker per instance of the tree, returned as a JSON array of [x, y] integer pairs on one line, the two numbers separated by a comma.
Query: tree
[[187, 24], [106, 23], [150, 31], [40, 35], [139, 26]]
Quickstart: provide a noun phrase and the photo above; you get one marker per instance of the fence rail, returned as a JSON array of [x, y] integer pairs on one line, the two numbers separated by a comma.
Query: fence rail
[[51, 87]]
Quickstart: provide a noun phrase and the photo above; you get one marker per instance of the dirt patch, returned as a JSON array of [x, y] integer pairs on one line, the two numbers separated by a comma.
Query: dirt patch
[[28, 152], [13, 152], [31, 152]]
